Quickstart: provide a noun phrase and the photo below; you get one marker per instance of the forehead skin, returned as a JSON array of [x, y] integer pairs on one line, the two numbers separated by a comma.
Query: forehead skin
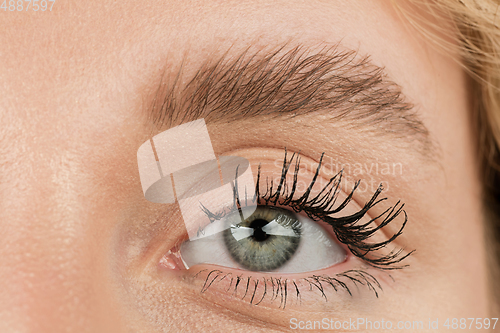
[[75, 86]]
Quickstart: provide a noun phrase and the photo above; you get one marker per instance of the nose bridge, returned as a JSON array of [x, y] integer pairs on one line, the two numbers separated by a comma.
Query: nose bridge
[[49, 274]]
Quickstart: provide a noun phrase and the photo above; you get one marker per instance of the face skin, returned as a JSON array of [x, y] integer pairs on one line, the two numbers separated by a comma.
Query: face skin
[[80, 247]]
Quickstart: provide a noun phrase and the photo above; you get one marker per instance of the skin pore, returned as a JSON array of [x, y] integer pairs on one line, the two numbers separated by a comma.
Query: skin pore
[[80, 247]]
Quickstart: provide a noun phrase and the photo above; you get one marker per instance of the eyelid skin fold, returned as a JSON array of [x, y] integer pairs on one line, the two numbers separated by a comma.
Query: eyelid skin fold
[[179, 165]]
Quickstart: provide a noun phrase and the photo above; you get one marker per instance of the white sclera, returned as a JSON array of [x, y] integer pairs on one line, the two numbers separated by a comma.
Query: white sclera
[[317, 250]]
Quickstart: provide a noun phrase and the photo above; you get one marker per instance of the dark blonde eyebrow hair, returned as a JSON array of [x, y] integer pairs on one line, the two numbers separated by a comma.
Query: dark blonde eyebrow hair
[[291, 83]]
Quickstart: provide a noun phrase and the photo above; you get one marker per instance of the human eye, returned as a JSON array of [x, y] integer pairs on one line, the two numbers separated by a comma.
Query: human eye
[[271, 239], [292, 233]]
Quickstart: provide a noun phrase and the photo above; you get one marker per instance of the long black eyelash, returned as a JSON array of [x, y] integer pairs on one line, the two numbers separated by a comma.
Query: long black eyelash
[[322, 206]]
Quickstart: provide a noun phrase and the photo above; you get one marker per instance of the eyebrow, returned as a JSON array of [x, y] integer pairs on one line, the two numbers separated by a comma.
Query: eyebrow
[[288, 83]]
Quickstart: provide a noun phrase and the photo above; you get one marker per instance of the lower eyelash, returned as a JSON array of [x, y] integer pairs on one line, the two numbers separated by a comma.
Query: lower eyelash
[[282, 289]]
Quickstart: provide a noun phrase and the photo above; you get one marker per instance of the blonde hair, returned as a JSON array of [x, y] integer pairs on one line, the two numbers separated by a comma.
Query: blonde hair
[[476, 31]]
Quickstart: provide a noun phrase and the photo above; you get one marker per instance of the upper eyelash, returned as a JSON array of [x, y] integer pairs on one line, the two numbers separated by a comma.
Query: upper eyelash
[[322, 206]]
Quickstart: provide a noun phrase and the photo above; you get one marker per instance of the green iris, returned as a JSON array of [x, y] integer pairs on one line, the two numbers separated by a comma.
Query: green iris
[[264, 241]]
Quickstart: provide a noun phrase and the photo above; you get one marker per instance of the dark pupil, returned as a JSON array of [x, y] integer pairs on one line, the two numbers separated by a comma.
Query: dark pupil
[[265, 241], [258, 234]]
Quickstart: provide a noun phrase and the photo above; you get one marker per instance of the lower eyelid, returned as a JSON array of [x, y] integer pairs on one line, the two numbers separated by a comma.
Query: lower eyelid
[[341, 281], [280, 291]]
